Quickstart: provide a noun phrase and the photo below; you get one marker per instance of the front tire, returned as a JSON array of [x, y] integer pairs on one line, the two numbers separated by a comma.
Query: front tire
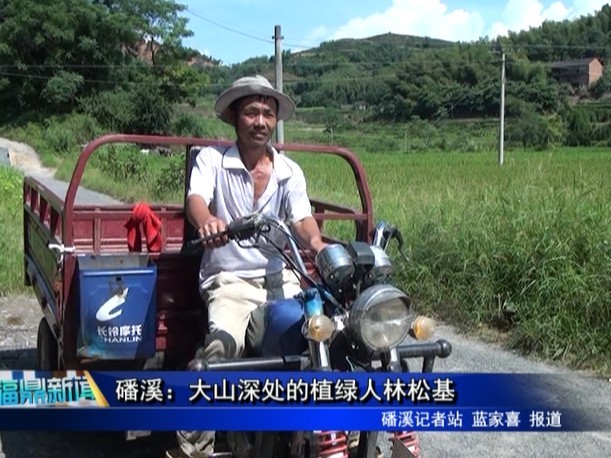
[[47, 349]]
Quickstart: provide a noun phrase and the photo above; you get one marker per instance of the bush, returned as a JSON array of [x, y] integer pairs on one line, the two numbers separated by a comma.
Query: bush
[[169, 180], [530, 130], [112, 109], [141, 110], [61, 89], [579, 128], [603, 85], [58, 139], [188, 126], [83, 128], [69, 134], [124, 163]]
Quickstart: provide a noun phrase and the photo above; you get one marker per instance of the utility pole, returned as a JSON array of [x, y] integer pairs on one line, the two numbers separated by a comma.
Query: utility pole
[[502, 114], [278, 58]]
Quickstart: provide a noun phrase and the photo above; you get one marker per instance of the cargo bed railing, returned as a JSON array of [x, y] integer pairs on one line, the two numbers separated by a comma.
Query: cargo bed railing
[[363, 219]]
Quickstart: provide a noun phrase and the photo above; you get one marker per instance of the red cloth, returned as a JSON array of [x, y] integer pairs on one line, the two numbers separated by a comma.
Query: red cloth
[[142, 214]]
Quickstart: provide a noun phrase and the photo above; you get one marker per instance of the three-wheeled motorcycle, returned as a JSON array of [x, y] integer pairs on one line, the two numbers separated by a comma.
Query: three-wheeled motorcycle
[[117, 286]]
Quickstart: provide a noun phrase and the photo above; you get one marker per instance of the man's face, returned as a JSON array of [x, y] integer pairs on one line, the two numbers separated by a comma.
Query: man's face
[[256, 119]]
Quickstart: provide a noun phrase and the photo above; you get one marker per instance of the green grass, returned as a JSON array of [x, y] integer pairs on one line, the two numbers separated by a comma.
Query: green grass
[[11, 232], [523, 248]]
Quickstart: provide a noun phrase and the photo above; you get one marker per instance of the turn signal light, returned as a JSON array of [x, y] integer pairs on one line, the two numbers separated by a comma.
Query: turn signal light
[[423, 328], [320, 328]]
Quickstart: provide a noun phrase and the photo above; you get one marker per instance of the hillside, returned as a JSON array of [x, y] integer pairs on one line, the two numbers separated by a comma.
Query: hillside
[[396, 43], [429, 76], [78, 60], [397, 78]]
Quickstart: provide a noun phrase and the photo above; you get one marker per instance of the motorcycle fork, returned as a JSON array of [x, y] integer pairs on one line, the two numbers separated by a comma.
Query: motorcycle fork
[[403, 442], [368, 439], [390, 361], [319, 356], [323, 443]]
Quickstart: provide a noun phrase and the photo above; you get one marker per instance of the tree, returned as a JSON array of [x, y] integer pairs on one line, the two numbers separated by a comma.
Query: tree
[[157, 25], [579, 128], [57, 55], [57, 50], [603, 85], [530, 130]]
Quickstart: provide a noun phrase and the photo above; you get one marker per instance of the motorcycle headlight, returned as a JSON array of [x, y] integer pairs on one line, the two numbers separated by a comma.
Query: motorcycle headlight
[[381, 317]]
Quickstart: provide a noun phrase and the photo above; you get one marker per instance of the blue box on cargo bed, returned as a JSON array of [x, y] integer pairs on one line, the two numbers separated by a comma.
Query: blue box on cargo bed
[[117, 306]]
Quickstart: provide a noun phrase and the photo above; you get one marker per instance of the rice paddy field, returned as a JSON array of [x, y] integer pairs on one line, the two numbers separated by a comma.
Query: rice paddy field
[[522, 249]]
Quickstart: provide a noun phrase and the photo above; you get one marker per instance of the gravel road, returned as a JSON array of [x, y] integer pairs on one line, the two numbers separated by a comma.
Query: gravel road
[[19, 316]]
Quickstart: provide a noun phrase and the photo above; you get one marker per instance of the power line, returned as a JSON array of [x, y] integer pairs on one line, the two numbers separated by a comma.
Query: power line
[[302, 80], [85, 66], [453, 63], [250, 35], [209, 85], [457, 62], [432, 46], [231, 29], [220, 86], [85, 80]]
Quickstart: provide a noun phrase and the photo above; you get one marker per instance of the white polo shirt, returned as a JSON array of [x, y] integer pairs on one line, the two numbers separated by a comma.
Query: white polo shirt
[[220, 177]]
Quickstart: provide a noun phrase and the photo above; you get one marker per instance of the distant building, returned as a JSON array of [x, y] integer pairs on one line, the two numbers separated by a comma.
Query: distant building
[[202, 61], [578, 71]]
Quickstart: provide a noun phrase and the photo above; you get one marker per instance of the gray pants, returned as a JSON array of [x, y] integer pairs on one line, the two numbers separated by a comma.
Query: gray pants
[[231, 301]]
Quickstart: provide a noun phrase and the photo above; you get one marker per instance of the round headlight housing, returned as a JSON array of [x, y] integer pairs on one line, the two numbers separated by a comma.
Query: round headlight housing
[[381, 317]]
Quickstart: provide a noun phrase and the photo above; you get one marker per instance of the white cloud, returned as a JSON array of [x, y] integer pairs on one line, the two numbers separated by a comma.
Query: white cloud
[[434, 19], [497, 29], [523, 14], [416, 17], [555, 12], [583, 7]]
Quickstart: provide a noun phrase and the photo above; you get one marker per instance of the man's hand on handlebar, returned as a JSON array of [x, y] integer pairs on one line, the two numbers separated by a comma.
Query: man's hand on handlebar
[[216, 233], [212, 226]]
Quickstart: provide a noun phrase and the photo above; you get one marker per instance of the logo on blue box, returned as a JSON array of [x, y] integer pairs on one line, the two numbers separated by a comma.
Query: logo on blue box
[[110, 309]]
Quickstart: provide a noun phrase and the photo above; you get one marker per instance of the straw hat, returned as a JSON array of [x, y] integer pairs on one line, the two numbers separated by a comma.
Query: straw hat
[[252, 85]]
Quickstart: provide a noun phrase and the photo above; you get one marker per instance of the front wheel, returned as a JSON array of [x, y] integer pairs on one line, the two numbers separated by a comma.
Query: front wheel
[[46, 346]]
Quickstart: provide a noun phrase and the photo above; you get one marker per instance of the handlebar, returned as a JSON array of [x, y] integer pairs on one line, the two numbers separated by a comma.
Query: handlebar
[[273, 363], [240, 229], [440, 348], [256, 224], [427, 350]]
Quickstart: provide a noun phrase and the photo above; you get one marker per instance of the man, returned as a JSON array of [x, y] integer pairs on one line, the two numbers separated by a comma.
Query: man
[[226, 184]]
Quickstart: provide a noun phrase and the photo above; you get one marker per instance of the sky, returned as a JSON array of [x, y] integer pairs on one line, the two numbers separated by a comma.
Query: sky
[[235, 30]]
